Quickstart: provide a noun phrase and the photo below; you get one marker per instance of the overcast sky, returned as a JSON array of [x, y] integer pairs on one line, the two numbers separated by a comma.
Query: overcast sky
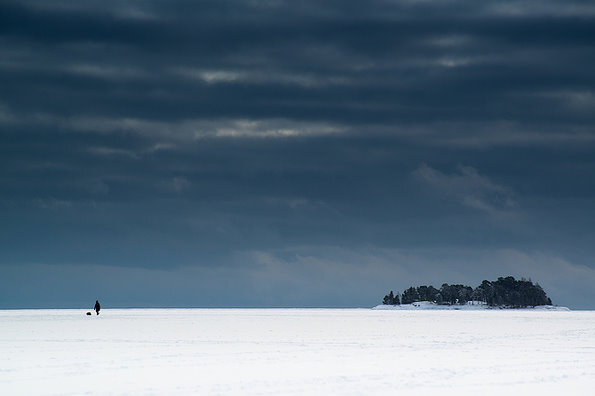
[[235, 153]]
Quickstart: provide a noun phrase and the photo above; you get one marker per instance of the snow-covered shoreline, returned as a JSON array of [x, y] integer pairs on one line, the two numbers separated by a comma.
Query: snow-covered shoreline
[[470, 306]]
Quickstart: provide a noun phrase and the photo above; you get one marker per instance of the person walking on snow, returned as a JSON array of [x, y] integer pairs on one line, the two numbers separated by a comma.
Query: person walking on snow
[[97, 306]]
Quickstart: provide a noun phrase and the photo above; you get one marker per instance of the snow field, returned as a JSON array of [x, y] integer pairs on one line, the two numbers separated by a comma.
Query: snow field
[[295, 352]]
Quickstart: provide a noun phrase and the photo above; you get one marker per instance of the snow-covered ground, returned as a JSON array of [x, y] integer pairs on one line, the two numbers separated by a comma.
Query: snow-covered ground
[[471, 305], [297, 351]]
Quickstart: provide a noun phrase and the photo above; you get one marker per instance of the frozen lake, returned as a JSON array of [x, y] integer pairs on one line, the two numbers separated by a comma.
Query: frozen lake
[[296, 351]]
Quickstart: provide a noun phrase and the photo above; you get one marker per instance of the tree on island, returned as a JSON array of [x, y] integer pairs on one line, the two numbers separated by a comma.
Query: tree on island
[[391, 299], [410, 295], [506, 291]]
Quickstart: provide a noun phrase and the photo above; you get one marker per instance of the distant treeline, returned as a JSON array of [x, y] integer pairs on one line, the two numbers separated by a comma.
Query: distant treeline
[[503, 292]]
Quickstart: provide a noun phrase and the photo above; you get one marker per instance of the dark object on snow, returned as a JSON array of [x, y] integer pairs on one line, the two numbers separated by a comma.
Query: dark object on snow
[[97, 306], [88, 313]]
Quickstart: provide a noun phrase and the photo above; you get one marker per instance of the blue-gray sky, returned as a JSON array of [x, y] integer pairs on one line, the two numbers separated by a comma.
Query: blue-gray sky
[[282, 153]]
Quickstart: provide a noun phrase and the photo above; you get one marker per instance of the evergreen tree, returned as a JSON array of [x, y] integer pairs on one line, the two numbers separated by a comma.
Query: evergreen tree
[[410, 295], [387, 300], [391, 299], [513, 293]]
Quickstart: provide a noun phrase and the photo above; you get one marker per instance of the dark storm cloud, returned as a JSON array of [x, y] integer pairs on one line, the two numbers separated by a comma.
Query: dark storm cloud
[[390, 62], [289, 140]]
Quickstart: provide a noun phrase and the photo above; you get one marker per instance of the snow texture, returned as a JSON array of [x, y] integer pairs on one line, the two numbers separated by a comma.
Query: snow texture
[[297, 352]]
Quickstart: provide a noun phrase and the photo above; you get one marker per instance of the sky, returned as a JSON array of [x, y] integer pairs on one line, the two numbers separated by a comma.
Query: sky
[[293, 153]]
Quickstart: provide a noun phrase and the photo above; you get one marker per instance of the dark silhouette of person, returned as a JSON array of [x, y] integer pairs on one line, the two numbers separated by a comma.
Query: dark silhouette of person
[[97, 306]]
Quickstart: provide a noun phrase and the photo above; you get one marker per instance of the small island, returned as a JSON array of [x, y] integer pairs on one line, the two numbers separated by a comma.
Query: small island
[[506, 292]]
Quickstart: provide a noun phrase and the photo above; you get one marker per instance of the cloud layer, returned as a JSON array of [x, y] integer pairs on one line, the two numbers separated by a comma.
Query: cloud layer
[[230, 136]]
